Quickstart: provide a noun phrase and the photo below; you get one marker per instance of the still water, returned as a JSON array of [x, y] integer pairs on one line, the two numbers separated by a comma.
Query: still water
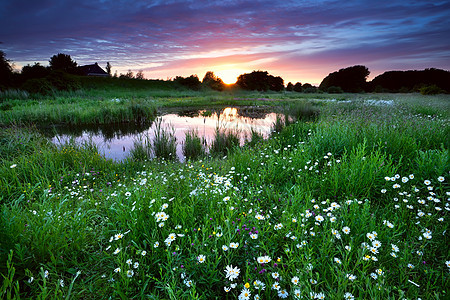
[[116, 141]]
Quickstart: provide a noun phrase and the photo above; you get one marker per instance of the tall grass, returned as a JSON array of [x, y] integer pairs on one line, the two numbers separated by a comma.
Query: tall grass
[[164, 143], [224, 141], [321, 209], [194, 146]]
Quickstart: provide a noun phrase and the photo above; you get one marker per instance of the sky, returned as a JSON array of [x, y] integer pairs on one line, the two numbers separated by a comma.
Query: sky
[[301, 41]]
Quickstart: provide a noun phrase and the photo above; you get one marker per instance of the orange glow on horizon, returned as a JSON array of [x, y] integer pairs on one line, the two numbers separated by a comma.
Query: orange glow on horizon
[[229, 76]]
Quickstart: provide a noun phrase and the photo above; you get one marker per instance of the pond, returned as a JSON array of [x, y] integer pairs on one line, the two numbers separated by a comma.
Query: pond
[[116, 141]]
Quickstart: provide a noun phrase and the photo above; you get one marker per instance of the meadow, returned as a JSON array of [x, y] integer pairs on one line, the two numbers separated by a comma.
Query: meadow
[[350, 200]]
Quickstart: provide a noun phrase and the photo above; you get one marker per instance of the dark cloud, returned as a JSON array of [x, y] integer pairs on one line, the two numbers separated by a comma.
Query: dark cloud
[[284, 35]]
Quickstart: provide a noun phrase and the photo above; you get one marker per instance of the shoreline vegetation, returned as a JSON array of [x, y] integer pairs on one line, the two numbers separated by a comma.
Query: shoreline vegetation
[[349, 200]]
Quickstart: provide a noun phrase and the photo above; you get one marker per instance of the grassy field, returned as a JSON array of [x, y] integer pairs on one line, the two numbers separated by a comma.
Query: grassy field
[[352, 204]]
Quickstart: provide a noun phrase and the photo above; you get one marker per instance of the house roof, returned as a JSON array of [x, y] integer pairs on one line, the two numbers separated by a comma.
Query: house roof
[[93, 70]]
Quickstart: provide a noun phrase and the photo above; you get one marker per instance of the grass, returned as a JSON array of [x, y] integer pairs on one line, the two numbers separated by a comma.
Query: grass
[[351, 204]]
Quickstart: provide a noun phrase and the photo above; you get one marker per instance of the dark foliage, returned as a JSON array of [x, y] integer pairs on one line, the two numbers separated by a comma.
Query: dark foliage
[[411, 81], [260, 81], [298, 87], [6, 71], [213, 82], [351, 79], [63, 62], [35, 71], [290, 87], [192, 82]]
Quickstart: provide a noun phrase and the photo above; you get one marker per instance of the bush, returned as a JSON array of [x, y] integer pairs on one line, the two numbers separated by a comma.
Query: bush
[[165, 142], [38, 86], [193, 146], [335, 90], [224, 141], [431, 90]]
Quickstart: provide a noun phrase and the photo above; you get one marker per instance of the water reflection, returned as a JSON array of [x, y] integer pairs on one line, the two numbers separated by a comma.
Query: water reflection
[[116, 141]]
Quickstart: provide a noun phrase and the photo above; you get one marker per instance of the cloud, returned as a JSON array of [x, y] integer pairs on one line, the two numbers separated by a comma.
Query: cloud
[[285, 35]]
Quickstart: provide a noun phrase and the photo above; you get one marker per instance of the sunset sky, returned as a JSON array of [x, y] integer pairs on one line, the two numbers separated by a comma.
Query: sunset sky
[[298, 40]]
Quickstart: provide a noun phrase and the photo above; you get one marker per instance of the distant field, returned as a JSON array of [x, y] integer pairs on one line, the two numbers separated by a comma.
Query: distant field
[[349, 200]]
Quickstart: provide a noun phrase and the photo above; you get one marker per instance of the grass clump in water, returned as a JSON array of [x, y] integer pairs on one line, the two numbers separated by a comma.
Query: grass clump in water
[[165, 143], [194, 146]]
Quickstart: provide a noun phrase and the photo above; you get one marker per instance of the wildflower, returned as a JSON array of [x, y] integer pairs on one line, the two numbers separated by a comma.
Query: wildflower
[[447, 263], [234, 245], [394, 248], [379, 271], [275, 286], [116, 251], [253, 236], [118, 236], [201, 258], [129, 262], [313, 281], [393, 254], [376, 244], [275, 275], [259, 285], [226, 199], [259, 217], [319, 218], [370, 236], [278, 226], [411, 266], [319, 296], [351, 277], [244, 295], [346, 230], [61, 283], [297, 294], [405, 179], [13, 166], [411, 176], [337, 260], [283, 293], [224, 248], [130, 273], [427, 235], [373, 250], [348, 296], [144, 253], [383, 191], [441, 179], [31, 279], [427, 182], [117, 270], [396, 186], [373, 275], [156, 245], [294, 280], [232, 273], [226, 289], [136, 265]]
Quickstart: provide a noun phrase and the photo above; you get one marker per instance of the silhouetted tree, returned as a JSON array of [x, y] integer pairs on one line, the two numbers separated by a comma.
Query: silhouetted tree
[[308, 88], [6, 70], [298, 87], [290, 87], [351, 79], [34, 71], [108, 68], [261, 81], [192, 82], [140, 75], [213, 82], [411, 81], [63, 62]]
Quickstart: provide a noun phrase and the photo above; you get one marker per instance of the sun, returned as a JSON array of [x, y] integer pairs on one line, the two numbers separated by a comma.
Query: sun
[[229, 76]]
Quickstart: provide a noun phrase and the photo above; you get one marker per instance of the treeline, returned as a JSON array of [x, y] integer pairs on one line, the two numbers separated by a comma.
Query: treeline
[[63, 73], [354, 80]]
